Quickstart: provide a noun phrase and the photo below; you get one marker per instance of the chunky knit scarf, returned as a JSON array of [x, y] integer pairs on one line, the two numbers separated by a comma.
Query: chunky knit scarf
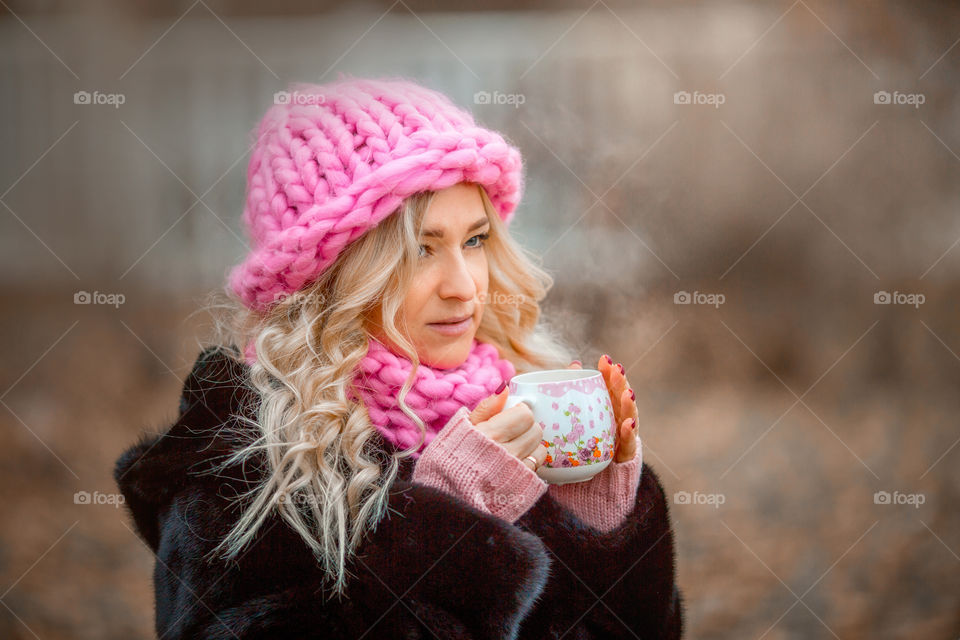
[[436, 394]]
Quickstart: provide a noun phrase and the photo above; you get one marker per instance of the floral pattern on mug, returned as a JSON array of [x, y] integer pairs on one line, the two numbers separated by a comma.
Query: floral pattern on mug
[[570, 448]]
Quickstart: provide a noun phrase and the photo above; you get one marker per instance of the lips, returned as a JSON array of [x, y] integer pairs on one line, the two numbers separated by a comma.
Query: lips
[[452, 328], [454, 320]]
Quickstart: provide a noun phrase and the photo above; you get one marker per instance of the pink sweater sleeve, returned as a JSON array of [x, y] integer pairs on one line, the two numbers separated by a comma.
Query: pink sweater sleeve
[[465, 462], [604, 501]]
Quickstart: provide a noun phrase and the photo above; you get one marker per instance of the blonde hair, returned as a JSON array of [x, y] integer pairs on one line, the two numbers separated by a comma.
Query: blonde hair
[[325, 474]]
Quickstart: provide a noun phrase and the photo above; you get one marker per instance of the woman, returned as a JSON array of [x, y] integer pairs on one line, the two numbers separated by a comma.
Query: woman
[[351, 471]]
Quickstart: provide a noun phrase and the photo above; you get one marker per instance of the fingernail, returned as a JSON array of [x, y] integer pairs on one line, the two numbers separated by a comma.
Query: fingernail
[[621, 368], [633, 396], [577, 362], [633, 423], [503, 385], [609, 359]]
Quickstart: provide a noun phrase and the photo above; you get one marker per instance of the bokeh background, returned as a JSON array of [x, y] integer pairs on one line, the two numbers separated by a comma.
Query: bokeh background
[[805, 432]]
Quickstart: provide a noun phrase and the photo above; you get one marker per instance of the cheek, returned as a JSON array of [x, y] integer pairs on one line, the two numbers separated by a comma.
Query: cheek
[[481, 272], [416, 299]]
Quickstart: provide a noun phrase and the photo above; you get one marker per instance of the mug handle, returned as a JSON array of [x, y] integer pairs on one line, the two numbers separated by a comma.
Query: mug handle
[[517, 399]]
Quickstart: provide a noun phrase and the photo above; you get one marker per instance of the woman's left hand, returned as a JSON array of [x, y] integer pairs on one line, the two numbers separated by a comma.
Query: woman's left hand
[[625, 413]]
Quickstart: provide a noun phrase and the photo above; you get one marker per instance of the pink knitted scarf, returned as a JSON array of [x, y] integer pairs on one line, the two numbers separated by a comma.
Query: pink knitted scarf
[[436, 394]]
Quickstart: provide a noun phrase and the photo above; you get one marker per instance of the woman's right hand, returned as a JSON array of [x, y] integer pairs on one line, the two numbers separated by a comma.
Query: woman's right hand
[[514, 429]]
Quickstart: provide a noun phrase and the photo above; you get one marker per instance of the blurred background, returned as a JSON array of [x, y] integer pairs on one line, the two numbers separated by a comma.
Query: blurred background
[[754, 206]]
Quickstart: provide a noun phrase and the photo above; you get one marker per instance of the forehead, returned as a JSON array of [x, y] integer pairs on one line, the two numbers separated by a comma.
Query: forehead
[[454, 210]]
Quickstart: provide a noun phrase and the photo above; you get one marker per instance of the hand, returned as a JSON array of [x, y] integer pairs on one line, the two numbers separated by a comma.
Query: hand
[[515, 429], [623, 401]]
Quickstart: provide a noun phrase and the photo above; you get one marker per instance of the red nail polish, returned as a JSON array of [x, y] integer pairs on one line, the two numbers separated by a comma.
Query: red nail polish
[[621, 368], [503, 385], [633, 396], [609, 359], [633, 423]]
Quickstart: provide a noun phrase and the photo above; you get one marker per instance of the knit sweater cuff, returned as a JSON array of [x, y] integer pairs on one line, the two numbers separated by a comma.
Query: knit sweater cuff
[[465, 462], [604, 501]]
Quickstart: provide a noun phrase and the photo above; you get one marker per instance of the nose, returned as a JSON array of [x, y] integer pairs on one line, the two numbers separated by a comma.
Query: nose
[[457, 281]]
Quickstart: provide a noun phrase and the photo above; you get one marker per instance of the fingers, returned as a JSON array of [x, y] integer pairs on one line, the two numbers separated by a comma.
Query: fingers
[[626, 448], [509, 424], [624, 405], [622, 396], [489, 407], [608, 369], [628, 404], [526, 443], [619, 379], [516, 430], [539, 454]]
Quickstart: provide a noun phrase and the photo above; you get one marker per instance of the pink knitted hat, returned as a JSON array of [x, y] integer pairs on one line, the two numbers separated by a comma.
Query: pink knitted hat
[[331, 161]]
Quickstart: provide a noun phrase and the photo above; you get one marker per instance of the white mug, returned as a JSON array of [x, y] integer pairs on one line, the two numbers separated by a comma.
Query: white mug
[[573, 408]]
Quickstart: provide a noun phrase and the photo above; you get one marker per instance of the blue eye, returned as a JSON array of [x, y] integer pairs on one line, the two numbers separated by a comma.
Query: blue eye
[[424, 249], [483, 238]]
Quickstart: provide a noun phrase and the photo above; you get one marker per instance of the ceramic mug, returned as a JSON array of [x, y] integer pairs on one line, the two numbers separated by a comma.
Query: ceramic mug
[[573, 408]]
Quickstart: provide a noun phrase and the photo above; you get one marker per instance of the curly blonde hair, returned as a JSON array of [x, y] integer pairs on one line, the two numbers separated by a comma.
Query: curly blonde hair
[[326, 477]]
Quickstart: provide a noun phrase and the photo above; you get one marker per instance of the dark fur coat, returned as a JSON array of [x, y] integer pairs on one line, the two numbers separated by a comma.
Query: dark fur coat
[[434, 568]]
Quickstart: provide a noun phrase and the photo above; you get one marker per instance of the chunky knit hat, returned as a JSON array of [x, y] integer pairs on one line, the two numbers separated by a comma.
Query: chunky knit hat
[[331, 161]]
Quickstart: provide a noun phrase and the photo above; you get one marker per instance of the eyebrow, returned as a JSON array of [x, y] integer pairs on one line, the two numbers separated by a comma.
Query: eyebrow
[[438, 233]]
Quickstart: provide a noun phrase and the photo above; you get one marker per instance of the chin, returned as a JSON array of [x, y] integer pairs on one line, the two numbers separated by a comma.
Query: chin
[[448, 354]]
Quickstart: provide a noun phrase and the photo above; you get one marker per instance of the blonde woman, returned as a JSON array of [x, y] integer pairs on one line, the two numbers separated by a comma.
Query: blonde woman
[[342, 465]]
